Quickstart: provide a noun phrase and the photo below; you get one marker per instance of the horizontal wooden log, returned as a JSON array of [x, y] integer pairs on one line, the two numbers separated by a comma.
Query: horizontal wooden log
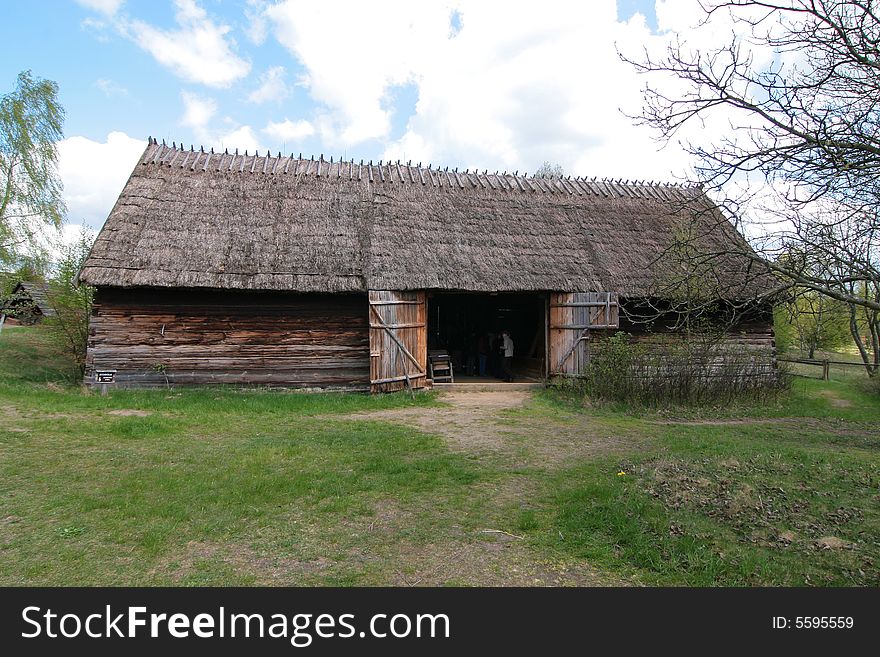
[[585, 304], [411, 377], [595, 327], [399, 325]]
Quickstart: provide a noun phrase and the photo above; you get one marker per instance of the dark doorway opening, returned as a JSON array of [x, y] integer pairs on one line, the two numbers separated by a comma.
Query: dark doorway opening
[[467, 326]]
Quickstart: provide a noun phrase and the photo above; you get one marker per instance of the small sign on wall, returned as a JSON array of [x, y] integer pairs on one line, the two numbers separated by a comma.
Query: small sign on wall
[[105, 376]]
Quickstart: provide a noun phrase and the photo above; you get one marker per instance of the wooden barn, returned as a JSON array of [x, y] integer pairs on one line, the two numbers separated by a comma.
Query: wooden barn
[[28, 303], [240, 269]]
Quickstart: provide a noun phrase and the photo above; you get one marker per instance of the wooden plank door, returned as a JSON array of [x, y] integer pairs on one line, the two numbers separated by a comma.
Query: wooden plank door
[[572, 316], [398, 340]]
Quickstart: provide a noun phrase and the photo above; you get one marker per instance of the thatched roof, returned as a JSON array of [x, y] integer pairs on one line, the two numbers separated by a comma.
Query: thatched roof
[[198, 219]]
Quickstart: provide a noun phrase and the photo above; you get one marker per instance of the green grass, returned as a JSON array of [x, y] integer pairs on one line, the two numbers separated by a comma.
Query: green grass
[[146, 488], [222, 487], [118, 489], [783, 494], [26, 356]]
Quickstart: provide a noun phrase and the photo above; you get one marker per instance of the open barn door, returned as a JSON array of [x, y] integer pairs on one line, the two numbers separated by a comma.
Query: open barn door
[[572, 316], [398, 340]]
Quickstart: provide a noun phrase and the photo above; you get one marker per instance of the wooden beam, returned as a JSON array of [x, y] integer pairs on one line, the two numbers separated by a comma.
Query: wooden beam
[[398, 326]]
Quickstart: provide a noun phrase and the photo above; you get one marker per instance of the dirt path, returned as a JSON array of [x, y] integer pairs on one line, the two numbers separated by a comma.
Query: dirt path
[[503, 428], [470, 422], [485, 424], [440, 541]]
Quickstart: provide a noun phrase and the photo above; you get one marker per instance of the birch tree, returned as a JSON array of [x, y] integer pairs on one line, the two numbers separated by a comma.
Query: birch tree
[[31, 121]]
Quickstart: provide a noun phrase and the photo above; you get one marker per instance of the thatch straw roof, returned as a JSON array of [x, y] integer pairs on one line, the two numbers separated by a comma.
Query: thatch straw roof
[[197, 219]]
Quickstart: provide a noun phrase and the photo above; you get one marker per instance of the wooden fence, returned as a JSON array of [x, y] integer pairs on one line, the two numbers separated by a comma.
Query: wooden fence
[[823, 363]]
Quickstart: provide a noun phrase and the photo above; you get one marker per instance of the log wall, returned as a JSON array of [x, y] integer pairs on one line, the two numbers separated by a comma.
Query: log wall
[[156, 337], [748, 345]]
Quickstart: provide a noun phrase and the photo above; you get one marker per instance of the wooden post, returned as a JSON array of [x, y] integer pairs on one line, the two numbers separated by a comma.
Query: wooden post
[[2, 321], [826, 370]]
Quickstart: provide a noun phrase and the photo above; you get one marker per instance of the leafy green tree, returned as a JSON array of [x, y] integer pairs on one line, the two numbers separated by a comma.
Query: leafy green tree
[[30, 190], [810, 321], [72, 303], [33, 266]]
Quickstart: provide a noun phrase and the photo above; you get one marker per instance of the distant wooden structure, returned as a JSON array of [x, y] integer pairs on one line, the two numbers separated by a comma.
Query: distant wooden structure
[[28, 303], [280, 270]]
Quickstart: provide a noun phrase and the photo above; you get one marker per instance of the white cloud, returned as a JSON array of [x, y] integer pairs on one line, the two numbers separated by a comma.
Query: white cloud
[[199, 51], [93, 174], [289, 131], [55, 242], [498, 84], [197, 111], [242, 137], [272, 86], [106, 7], [257, 27], [110, 88], [198, 115], [354, 51], [98, 28], [70, 233]]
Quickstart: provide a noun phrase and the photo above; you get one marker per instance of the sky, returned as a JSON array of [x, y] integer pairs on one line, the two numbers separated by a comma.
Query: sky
[[488, 84]]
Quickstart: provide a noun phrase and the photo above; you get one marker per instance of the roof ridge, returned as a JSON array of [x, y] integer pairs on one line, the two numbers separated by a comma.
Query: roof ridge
[[396, 172]]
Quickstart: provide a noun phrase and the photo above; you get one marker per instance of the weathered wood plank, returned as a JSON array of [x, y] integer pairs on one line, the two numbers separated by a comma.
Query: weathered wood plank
[[398, 339], [572, 316], [155, 337]]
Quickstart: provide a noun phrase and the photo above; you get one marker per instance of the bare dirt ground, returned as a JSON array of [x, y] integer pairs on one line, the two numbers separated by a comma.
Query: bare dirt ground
[[479, 423], [497, 560], [469, 422], [487, 425], [129, 412], [835, 399]]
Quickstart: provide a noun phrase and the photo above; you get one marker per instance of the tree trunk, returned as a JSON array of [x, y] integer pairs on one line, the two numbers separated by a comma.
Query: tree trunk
[[871, 364]]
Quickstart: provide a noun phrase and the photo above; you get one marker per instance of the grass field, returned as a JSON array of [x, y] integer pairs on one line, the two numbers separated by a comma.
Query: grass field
[[223, 487]]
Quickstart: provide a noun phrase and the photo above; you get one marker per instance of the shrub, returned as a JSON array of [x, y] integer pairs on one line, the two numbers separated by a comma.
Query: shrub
[[72, 303], [698, 369]]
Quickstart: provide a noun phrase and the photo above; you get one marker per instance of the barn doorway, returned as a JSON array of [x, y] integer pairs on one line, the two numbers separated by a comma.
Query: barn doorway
[[464, 325]]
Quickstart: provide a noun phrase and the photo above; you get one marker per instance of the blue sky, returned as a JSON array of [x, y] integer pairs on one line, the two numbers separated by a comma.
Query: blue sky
[[487, 84]]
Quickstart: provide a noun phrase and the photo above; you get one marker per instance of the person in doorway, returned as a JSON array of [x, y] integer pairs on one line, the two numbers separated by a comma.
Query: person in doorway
[[506, 356]]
